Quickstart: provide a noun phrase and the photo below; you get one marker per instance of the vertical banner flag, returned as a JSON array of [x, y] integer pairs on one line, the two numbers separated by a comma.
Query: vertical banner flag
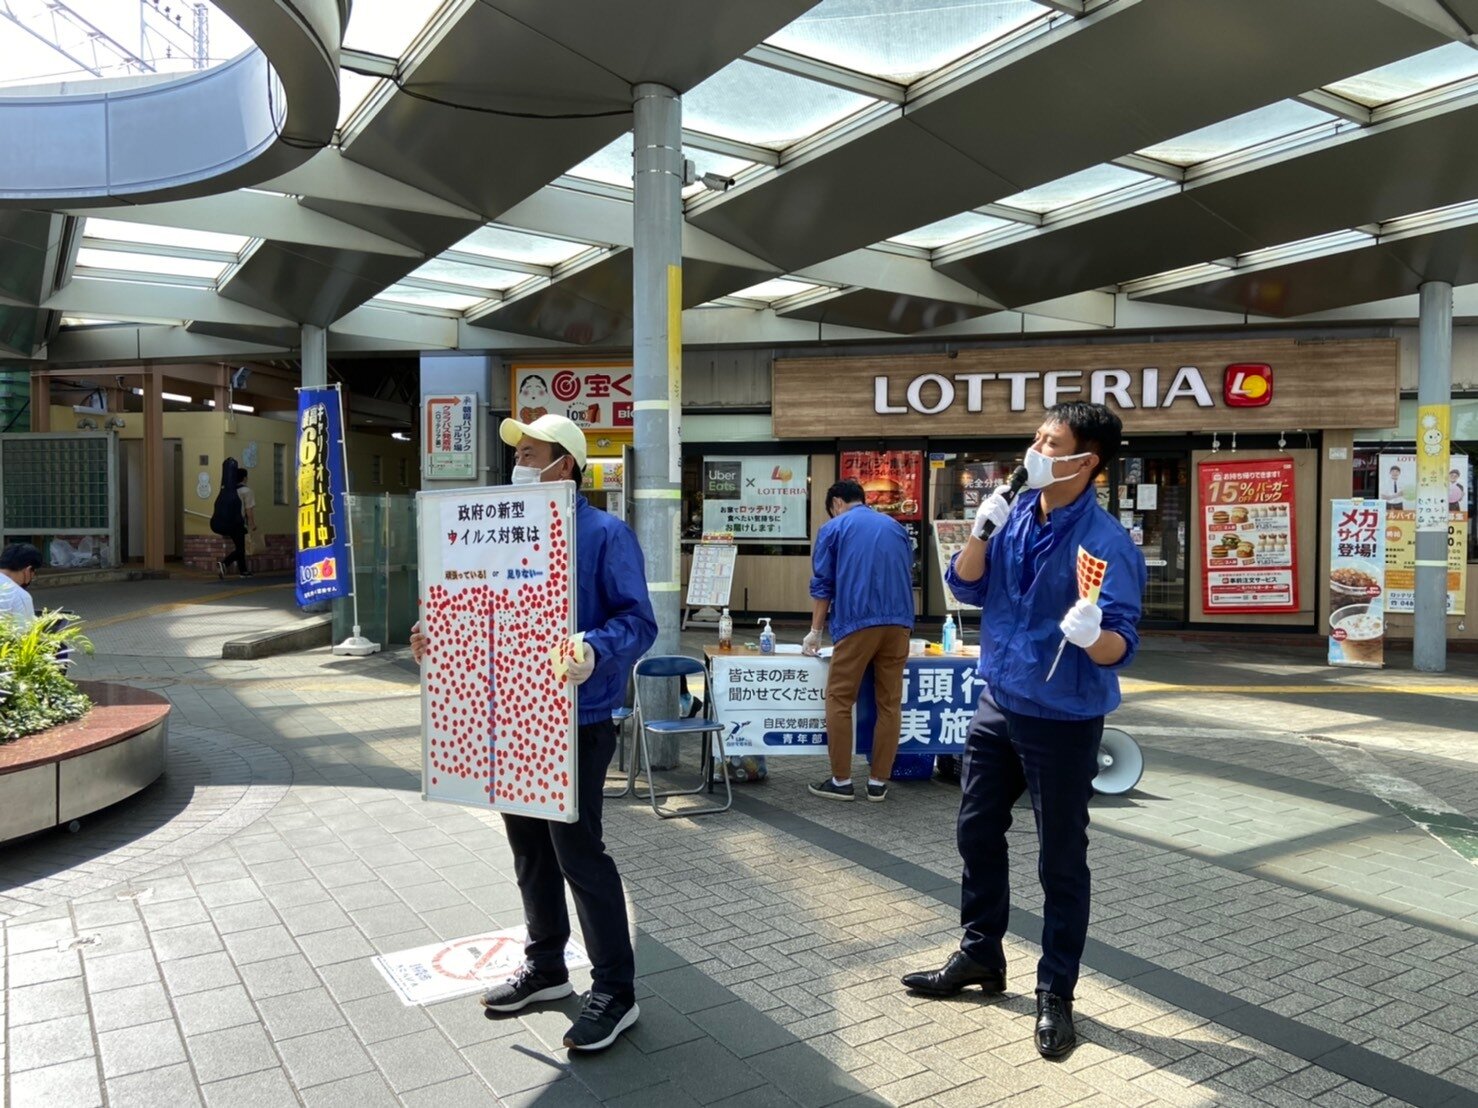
[[449, 441], [1357, 574], [1433, 422], [324, 569], [498, 714], [1249, 545]]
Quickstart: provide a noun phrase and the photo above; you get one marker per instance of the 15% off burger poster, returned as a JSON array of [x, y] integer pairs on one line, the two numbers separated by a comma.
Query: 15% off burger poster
[[1249, 544], [892, 483]]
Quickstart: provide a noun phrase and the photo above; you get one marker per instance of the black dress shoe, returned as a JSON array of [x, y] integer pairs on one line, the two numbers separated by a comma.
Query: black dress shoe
[[1055, 1034], [960, 970]]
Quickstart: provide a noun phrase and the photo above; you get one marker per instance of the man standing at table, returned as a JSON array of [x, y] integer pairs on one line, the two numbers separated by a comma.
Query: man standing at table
[[862, 579], [614, 614], [1029, 733]]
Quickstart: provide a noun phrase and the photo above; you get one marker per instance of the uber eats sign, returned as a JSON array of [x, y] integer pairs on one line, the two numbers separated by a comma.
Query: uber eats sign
[[1203, 386]]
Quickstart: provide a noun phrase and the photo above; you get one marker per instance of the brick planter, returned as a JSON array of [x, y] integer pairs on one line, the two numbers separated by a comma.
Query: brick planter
[[204, 551]]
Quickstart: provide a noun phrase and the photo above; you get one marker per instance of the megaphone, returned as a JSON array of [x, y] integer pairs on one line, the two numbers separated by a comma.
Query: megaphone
[[1120, 763]]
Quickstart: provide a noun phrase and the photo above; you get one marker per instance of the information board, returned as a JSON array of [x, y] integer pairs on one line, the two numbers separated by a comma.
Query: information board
[[498, 721], [711, 575], [450, 439], [773, 704], [763, 497]]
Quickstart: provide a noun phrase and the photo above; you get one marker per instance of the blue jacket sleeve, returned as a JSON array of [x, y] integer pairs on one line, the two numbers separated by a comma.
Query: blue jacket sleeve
[[967, 592], [824, 565], [630, 627], [1122, 599]]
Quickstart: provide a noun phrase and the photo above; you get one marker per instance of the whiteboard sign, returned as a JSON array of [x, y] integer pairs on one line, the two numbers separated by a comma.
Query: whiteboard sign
[[771, 705], [497, 599], [711, 575], [950, 537]]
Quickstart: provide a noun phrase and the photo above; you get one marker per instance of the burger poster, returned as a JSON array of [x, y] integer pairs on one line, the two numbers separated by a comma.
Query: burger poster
[[760, 497], [891, 480], [1248, 542]]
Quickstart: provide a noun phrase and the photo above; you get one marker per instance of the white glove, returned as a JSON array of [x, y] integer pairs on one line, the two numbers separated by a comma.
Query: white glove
[[1083, 624], [418, 642], [992, 512], [579, 671], [811, 644]]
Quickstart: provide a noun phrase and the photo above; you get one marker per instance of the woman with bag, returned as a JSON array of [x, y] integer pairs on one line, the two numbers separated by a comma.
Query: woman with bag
[[234, 516]]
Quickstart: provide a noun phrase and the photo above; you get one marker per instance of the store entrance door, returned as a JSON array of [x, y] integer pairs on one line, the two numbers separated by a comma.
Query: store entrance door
[[1151, 496]]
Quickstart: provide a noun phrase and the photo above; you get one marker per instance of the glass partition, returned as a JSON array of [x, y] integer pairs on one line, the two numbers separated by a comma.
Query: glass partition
[[384, 559]]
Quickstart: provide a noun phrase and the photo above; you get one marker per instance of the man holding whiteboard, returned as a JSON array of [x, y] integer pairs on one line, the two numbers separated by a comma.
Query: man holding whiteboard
[[613, 613]]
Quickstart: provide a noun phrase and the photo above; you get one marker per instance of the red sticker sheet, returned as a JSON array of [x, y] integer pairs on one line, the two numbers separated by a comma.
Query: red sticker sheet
[[498, 716]]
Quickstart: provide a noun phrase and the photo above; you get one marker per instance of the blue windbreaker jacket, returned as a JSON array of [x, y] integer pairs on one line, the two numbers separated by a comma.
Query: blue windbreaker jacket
[[1019, 634], [863, 564], [611, 606]]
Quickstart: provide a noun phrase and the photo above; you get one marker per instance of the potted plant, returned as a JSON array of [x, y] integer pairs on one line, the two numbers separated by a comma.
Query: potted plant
[[37, 693]]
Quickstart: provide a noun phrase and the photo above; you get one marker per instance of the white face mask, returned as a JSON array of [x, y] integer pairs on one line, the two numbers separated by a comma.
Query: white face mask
[[1039, 468], [528, 475]]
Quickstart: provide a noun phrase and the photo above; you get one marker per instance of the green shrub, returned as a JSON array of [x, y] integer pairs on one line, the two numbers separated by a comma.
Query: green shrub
[[37, 691]]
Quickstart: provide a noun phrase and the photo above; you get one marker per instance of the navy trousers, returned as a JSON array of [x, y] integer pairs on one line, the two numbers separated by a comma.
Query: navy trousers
[[1055, 760], [548, 854]]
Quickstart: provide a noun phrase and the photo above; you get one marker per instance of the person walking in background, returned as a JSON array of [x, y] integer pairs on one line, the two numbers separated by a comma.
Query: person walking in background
[[18, 565], [862, 583], [233, 515], [1029, 733]]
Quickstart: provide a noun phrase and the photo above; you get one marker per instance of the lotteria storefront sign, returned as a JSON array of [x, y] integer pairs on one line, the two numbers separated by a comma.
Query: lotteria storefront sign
[[1273, 385]]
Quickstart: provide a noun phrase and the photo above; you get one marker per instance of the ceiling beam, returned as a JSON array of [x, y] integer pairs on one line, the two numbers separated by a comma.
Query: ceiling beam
[[133, 300], [329, 175], [732, 148], [1335, 104], [773, 57]]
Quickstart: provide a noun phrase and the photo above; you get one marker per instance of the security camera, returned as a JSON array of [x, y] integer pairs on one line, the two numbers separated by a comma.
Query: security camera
[[717, 182]]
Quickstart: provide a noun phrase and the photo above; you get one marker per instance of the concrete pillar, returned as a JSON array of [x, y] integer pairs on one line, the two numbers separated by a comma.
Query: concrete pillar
[[459, 375], [657, 350], [1433, 390], [40, 402], [314, 356], [154, 498]]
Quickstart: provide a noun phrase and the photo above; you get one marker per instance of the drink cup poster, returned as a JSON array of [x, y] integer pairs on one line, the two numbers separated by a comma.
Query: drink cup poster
[[1357, 572], [498, 717], [323, 567], [1249, 544]]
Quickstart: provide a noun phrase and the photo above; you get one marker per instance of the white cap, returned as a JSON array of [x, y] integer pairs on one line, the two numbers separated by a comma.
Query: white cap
[[547, 428]]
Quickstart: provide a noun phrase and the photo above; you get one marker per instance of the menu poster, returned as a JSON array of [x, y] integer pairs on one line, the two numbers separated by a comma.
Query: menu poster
[[1357, 570], [1249, 539], [950, 537], [1397, 487], [498, 604], [711, 575], [892, 480], [758, 497]]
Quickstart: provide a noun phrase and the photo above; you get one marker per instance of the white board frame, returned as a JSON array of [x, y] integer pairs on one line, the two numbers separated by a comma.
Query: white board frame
[[431, 538], [723, 555]]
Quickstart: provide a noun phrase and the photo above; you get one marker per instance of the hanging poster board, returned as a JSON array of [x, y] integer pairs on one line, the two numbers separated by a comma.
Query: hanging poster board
[[498, 721], [1249, 541], [1357, 573], [598, 397], [758, 497], [711, 575], [1397, 488], [950, 537], [449, 439]]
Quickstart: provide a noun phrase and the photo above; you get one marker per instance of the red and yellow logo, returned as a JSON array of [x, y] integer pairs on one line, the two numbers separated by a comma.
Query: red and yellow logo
[[1247, 385]]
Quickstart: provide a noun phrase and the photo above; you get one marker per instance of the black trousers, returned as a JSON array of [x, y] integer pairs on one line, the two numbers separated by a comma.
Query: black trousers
[[1055, 760], [546, 855], [238, 555]]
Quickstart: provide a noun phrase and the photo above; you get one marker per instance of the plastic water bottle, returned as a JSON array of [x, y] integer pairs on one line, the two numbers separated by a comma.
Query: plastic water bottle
[[725, 631], [767, 637], [947, 636]]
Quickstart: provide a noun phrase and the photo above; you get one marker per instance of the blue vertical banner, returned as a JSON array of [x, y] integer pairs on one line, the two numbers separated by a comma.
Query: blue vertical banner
[[324, 569]]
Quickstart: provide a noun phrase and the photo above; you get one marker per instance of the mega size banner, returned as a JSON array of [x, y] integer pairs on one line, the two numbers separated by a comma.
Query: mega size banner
[[324, 571]]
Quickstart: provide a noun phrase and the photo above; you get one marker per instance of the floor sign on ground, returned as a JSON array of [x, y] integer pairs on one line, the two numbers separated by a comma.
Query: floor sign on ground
[[457, 967]]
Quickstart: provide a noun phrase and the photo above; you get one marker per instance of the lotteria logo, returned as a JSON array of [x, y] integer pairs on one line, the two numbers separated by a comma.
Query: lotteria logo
[[1247, 385]]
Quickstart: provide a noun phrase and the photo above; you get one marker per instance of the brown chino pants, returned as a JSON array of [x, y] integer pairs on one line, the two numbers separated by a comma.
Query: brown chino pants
[[886, 650]]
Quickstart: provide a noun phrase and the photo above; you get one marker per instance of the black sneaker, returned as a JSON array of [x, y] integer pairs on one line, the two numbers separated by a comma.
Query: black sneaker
[[831, 790], [877, 793], [527, 986], [601, 1020]]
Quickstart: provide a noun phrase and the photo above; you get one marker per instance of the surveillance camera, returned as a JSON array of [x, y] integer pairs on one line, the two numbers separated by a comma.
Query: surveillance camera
[[717, 182]]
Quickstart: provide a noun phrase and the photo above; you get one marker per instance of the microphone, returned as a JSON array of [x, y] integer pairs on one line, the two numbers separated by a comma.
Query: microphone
[[1018, 482]]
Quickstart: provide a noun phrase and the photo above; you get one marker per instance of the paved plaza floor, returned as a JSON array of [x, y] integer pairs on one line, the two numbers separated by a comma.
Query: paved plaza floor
[[1284, 910]]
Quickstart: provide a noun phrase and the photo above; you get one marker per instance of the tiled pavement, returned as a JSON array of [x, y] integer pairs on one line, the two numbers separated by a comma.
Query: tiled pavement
[[1267, 930]]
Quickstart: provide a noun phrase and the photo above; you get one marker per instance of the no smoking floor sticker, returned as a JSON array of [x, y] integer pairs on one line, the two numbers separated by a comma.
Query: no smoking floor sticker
[[457, 967]]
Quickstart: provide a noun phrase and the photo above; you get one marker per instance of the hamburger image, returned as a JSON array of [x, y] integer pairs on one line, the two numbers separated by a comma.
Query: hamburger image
[[1239, 515], [883, 494], [1220, 516]]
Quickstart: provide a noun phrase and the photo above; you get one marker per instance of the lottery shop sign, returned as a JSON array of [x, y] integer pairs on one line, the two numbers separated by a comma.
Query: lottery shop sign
[[596, 397], [498, 715], [1249, 541]]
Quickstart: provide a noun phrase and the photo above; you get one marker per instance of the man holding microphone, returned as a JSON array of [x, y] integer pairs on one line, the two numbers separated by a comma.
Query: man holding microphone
[[1032, 733]]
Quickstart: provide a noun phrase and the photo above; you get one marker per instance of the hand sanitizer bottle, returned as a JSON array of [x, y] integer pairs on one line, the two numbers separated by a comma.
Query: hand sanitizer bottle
[[725, 631], [947, 636], [767, 637]]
